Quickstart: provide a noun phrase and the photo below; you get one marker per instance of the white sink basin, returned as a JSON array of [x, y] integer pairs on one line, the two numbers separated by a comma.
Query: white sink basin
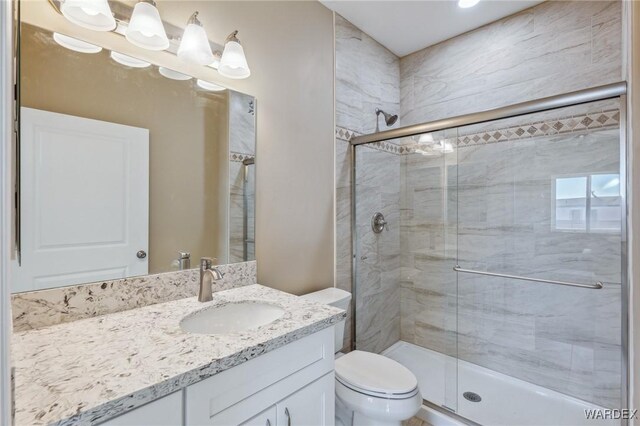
[[231, 318]]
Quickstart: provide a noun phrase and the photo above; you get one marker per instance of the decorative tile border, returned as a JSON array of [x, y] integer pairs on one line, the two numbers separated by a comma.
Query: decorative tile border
[[598, 120], [573, 124], [239, 156], [345, 135], [578, 123], [37, 309]]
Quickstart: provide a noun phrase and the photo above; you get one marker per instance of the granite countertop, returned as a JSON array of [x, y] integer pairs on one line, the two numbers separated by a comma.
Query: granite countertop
[[90, 370]]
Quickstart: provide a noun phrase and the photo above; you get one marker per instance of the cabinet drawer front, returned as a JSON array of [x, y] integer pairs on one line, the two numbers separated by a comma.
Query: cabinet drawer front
[[308, 359]]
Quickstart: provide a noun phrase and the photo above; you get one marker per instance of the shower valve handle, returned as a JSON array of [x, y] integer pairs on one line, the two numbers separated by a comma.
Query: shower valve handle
[[378, 223]]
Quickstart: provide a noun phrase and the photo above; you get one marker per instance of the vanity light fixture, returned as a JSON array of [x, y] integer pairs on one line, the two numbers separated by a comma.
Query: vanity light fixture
[[129, 61], [194, 46], [92, 14], [75, 44], [173, 75], [145, 28], [233, 63], [209, 86], [465, 4]]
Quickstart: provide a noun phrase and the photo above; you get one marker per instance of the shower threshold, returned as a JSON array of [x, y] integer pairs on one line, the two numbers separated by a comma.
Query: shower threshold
[[504, 400]]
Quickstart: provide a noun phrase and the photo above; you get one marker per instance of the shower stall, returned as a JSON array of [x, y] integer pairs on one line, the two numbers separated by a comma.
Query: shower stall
[[497, 273]]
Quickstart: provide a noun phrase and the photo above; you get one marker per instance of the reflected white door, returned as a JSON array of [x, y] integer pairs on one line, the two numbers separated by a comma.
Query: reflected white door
[[84, 200]]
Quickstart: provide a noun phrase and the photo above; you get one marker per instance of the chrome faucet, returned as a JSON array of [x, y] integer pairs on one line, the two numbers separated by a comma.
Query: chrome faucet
[[207, 269]]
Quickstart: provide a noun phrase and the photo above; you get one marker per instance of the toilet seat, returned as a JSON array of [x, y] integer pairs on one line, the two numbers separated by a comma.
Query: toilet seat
[[375, 375]]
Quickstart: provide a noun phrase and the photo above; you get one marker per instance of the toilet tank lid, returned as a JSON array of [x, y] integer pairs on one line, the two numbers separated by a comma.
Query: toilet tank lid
[[328, 296]]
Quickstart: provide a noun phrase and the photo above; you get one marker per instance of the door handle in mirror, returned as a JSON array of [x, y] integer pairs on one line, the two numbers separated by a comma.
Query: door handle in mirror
[[141, 254]]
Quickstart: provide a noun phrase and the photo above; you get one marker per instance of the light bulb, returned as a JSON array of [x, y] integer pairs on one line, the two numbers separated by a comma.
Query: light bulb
[[92, 14], [233, 63], [194, 46], [145, 29]]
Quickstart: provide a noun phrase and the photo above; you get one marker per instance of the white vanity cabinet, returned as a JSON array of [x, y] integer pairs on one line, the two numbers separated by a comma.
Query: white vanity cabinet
[[290, 386]]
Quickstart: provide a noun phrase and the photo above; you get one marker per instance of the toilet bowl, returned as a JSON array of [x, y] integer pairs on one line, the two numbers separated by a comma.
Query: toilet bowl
[[371, 389]]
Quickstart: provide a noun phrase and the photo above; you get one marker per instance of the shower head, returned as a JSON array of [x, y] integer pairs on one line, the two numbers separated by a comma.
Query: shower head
[[389, 119]]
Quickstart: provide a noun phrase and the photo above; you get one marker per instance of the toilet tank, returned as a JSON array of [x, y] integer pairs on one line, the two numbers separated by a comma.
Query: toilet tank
[[336, 298]]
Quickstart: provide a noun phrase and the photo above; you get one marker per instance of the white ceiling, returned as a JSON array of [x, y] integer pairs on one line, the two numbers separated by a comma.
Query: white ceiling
[[407, 26]]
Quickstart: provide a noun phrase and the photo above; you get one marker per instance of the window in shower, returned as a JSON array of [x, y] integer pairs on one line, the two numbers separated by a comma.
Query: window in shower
[[588, 203]]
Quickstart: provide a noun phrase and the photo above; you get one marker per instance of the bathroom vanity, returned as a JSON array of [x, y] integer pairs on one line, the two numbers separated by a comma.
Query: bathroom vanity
[[141, 367]]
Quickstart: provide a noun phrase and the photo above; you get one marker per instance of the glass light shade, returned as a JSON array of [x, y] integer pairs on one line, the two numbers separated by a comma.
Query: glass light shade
[[128, 60], [173, 75], [194, 46], [92, 14], [233, 63], [464, 4], [209, 86], [145, 28], [75, 44]]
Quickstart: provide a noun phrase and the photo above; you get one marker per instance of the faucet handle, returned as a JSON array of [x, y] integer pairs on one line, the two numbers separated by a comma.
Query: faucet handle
[[206, 263]]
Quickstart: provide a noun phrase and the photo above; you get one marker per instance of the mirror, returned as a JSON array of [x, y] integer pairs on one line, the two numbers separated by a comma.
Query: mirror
[[124, 165]]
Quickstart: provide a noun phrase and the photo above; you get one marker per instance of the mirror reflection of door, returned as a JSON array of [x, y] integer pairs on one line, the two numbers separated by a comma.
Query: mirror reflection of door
[[84, 198]]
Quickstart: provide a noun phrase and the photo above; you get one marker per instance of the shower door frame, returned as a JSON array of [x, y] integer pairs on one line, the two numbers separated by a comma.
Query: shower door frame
[[598, 93]]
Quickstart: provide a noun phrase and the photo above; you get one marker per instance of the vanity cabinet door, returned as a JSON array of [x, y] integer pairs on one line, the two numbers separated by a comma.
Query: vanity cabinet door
[[314, 404], [266, 418]]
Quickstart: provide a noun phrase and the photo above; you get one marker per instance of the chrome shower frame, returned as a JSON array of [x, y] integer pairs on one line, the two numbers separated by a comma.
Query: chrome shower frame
[[599, 93]]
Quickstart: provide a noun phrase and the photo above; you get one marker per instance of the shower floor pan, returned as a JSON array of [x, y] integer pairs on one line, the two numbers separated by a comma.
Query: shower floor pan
[[504, 400]]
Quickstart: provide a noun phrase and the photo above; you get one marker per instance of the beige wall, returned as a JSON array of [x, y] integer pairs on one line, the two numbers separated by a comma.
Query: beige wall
[[188, 147], [289, 46]]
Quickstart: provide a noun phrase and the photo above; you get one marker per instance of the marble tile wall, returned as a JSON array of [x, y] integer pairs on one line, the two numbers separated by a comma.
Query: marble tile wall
[[37, 309], [367, 77], [552, 48]]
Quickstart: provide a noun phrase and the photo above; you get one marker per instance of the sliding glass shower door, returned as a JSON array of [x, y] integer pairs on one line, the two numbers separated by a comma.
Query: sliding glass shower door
[[488, 260], [539, 261]]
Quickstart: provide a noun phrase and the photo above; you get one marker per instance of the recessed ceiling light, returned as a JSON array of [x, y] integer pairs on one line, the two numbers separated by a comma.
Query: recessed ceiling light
[[209, 86], [75, 44], [173, 75], [465, 4], [128, 60]]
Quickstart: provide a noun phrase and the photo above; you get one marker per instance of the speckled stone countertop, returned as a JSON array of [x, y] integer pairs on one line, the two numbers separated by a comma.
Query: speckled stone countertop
[[90, 370]]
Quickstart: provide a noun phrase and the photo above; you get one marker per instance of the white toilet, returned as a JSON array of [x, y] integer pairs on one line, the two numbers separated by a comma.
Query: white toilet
[[371, 390]]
